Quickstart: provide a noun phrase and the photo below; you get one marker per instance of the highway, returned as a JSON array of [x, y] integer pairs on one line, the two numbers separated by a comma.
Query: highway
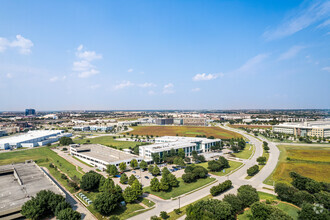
[[237, 178]]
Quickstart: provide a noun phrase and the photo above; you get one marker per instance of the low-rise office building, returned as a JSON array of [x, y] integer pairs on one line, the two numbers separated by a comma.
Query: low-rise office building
[[33, 139], [312, 128], [188, 144], [100, 156], [19, 182], [194, 121], [164, 121]]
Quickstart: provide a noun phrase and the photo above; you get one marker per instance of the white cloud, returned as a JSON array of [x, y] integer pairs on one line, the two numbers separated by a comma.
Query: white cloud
[[123, 84], [146, 84], [151, 92], [196, 90], [299, 19], [168, 88], [253, 63], [130, 70], [95, 86], [53, 79], [83, 66], [9, 75], [324, 24], [24, 45], [204, 76], [327, 68], [292, 52]]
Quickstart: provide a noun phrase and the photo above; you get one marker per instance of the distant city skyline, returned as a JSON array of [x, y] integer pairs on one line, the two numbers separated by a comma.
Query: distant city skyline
[[153, 55]]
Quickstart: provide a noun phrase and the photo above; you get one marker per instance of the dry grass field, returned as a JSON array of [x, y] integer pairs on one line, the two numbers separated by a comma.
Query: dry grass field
[[188, 131], [313, 162]]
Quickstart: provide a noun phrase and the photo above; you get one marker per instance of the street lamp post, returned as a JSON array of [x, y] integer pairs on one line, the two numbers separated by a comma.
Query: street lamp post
[[179, 202]]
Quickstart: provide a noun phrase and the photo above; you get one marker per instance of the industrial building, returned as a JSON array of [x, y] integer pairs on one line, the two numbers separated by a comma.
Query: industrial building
[[100, 156], [92, 128], [194, 121], [310, 128], [188, 144], [181, 121], [164, 121], [19, 182], [32, 139]]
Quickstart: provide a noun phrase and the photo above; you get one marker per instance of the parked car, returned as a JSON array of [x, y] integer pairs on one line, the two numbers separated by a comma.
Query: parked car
[[133, 171], [146, 177]]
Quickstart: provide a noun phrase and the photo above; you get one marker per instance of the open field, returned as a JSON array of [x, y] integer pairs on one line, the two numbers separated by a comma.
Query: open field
[[187, 131], [251, 126], [108, 140], [246, 153], [182, 189], [233, 165], [313, 162]]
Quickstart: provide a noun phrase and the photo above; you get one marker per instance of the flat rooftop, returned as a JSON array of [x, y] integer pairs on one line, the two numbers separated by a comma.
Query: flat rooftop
[[104, 153], [186, 139], [29, 136], [21, 181], [159, 147]]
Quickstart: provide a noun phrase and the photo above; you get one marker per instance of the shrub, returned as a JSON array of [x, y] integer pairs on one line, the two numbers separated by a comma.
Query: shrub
[[253, 170], [163, 215], [216, 190]]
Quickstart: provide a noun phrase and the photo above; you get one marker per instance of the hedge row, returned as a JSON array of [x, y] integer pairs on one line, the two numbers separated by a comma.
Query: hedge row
[[216, 190]]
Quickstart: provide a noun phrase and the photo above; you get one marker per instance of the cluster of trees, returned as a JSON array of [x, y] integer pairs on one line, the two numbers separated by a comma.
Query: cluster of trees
[[45, 204], [216, 190], [237, 144], [133, 192], [253, 170], [265, 146], [225, 209], [171, 157], [193, 172], [64, 141], [166, 183], [261, 210], [197, 158], [154, 170], [261, 160], [112, 169], [304, 192], [218, 165]]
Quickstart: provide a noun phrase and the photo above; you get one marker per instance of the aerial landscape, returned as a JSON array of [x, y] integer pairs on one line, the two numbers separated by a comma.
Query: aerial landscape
[[195, 110]]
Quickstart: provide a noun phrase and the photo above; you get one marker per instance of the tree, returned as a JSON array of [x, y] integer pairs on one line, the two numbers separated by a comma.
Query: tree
[[68, 214], [123, 178], [308, 212], [108, 185], [323, 198], [172, 180], [131, 179], [261, 160], [90, 181], [143, 165], [134, 164], [248, 195], [32, 209], [129, 195], [284, 191], [214, 165], [164, 185], [137, 187], [66, 141], [61, 206], [253, 170], [224, 162], [165, 172], [188, 177], [164, 215], [106, 202], [156, 171], [181, 153], [301, 197], [261, 211], [216, 190], [112, 170], [150, 168], [154, 184], [155, 157], [122, 166], [179, 161], [234, 201]]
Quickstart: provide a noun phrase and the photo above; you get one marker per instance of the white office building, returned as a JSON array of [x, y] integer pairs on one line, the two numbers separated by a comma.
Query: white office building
[[32, 139], [188, 144]]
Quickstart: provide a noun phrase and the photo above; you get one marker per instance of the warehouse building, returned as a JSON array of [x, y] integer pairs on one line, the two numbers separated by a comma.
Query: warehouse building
[[188, 144], [100, 156], [19, 182], [312, 128], [32, 139]]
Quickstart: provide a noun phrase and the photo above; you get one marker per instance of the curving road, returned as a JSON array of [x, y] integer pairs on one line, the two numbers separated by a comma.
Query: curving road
[[237, 178]]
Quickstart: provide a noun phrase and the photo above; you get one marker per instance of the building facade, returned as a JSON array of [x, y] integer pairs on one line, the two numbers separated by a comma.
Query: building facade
[[314, 128]]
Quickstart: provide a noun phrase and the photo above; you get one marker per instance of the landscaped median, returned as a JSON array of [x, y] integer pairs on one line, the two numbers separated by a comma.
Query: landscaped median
[[233, 166], [183, 188]]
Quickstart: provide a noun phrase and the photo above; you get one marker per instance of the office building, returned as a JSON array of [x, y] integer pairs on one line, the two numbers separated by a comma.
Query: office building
[[194, 121], [164, 121], [310, 128], [19, 182], [32, 139], [30, 111], [188, 144], [100, 156]]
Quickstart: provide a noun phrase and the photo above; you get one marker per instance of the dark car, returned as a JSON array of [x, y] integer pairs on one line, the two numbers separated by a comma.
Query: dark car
[[146, 177]]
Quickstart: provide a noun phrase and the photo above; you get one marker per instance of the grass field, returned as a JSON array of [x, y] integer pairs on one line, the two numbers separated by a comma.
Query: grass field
[[108, 140], [251, 126], [313, 162], [233, 165], [188, 131], [44, 156], [246, 153], [182, 189]]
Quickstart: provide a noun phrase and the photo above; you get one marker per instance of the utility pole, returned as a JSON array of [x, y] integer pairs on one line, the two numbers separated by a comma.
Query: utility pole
[[179, 202]]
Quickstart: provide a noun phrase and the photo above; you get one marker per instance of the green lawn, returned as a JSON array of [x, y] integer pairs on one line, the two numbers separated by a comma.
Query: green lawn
[[108, 140], [82, 161], [233, 165], [246, 153], [182, 189], [147, 202], [264, 196]]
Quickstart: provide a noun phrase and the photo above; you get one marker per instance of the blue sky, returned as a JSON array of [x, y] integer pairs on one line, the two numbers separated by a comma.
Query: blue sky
[[71, 55]]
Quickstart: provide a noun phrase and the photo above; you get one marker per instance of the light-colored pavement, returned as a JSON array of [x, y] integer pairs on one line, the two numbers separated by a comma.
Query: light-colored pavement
[[237, 178]]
